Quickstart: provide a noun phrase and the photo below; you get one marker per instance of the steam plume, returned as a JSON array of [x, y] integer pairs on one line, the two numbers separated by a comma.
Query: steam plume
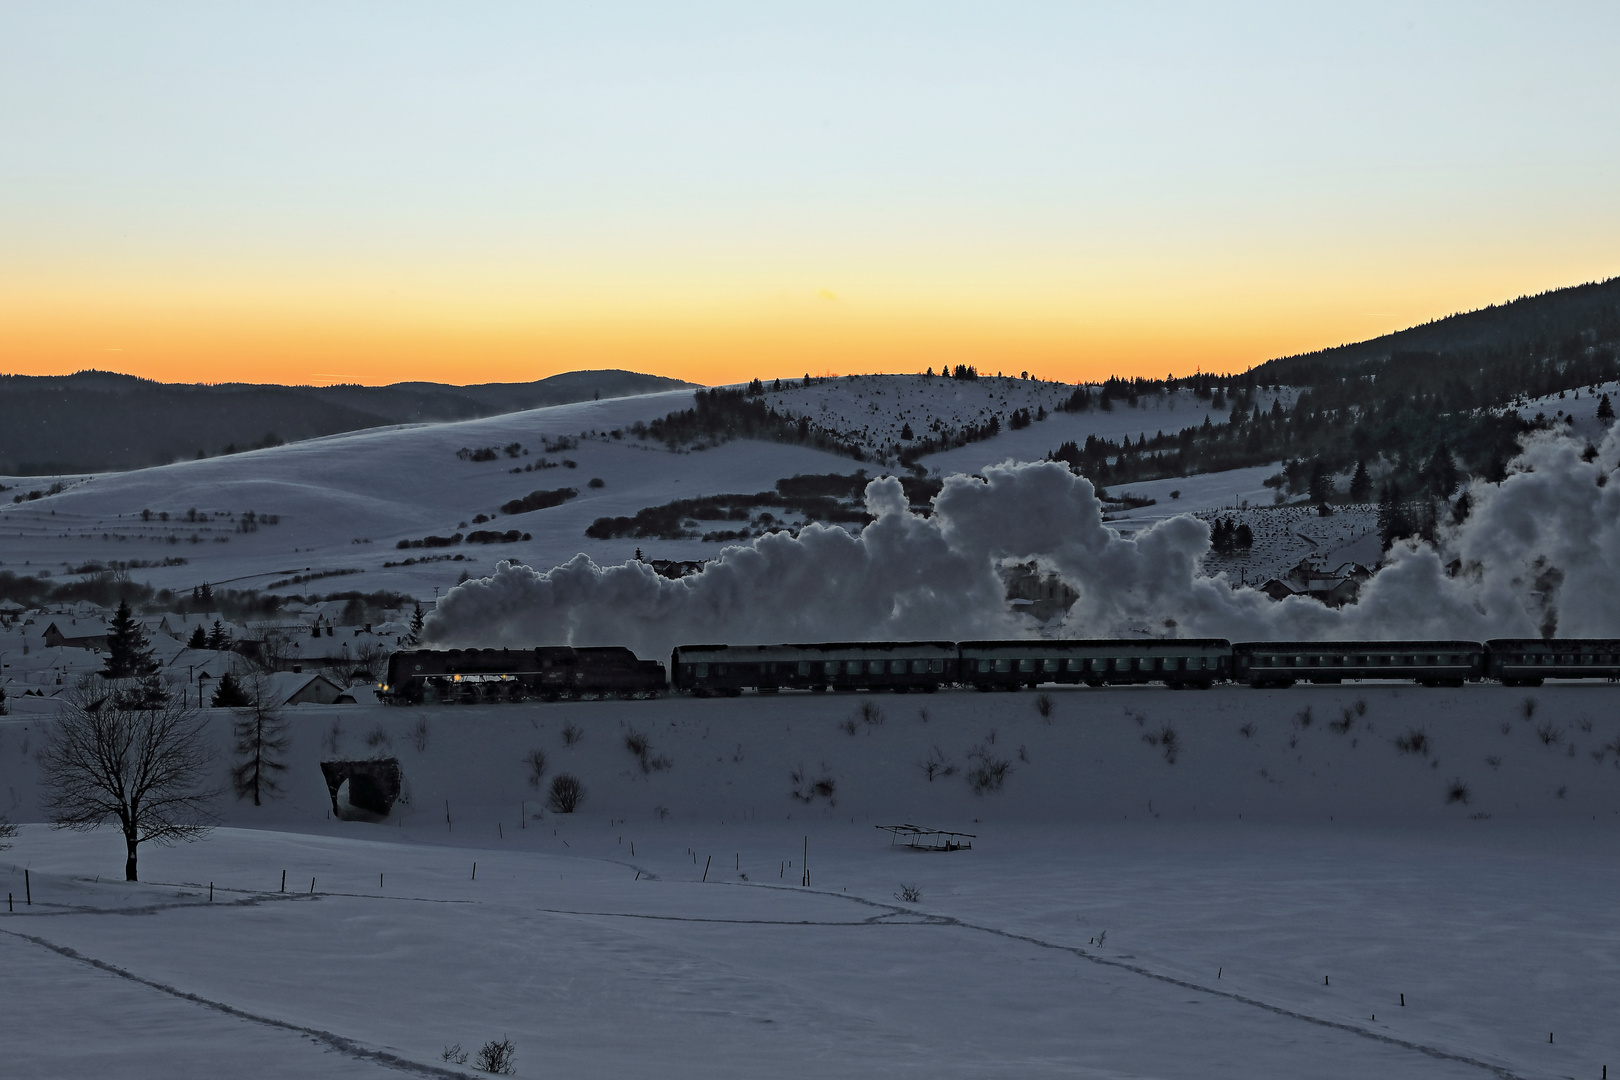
[[1540, 550]]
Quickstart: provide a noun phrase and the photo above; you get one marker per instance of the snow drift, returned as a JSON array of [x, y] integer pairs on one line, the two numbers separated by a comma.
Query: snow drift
[[1539, 553]]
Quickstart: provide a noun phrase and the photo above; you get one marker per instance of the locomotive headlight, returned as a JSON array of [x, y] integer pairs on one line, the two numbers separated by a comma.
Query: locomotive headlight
[[456, 678]]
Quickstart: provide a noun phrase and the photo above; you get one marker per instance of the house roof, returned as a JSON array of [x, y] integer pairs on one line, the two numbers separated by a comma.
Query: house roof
[[282, 686]]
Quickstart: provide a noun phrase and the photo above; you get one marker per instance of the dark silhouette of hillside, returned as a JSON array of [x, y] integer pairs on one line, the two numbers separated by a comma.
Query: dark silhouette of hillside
[[1550, 329], [97, 420], [1429, 406]]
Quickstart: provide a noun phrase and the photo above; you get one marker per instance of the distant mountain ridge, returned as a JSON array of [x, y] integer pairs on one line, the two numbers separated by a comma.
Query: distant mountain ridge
[[99, 420]]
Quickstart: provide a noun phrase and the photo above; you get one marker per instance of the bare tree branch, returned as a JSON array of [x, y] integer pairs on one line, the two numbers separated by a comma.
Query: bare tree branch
[[145, 768]]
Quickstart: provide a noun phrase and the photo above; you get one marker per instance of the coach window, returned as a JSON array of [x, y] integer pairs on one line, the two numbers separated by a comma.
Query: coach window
[[937, 666], [1026, 665], [701, 670], [804, 667]]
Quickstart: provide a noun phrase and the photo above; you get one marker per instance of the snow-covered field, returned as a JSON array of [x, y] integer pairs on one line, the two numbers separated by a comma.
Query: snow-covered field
[[1255, 907], [342, 503]]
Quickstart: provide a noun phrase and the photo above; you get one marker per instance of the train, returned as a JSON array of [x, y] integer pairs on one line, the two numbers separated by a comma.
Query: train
[[557, 672]]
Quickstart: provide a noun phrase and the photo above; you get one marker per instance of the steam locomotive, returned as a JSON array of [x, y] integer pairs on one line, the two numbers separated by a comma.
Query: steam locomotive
[[555, 672]]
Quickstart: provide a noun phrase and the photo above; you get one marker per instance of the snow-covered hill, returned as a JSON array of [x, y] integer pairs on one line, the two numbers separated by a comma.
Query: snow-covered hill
[[338, 506]]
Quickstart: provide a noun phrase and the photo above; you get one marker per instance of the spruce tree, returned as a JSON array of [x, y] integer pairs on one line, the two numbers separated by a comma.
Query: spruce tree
[[229, 693], [1393, 522], [129, 653], [199, 638], [1605, 411], [1360, 483], [415, 636], [1442, 472], [219, 639]]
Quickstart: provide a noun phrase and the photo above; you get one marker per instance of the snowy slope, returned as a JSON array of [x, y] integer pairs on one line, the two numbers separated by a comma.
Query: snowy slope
[[873, 410], [1256, 907], [342, 503]]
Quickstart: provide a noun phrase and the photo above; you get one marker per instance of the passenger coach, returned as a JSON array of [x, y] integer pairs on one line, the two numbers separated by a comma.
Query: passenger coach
[[707, 670], [1527, 661], [1176, 662], [1431, 663]]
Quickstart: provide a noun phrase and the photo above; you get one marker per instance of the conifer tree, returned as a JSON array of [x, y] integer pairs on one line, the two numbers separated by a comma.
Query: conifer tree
[[1360, 483], [415, 636], [261, 740], [229, 693], [1393, 522], [1442, 472], [1605, 411], [199, 638], [219, 639], [129, 653]]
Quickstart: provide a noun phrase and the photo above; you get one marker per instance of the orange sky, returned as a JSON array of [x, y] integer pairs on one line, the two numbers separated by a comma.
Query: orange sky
[[320, 194], [222, 330]]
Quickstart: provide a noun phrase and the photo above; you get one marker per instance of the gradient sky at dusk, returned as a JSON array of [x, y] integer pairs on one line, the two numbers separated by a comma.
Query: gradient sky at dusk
[[480, 192]]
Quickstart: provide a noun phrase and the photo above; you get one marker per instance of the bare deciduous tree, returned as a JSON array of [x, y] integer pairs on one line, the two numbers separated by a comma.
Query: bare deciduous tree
[[261, 739], [145, 768]]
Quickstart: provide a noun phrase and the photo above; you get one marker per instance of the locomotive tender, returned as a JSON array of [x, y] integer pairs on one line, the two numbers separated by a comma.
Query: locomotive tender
[[555, 672]]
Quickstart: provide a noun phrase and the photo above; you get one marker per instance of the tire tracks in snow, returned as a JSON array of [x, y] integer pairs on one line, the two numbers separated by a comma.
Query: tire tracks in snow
[[340, 1043]]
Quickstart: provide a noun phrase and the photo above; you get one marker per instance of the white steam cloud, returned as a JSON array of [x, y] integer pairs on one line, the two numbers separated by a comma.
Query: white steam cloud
[[1540, 551]]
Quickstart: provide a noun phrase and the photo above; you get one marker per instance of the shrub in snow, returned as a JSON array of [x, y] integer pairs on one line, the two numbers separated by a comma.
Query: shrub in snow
[[1528, 707], [1457, 792], [1043, 705], [1167, 740], [637, 744], [908, 894], [808, 789], [536, 761], [936, 764], [497, 1057], [566, 794], [1415, 741], [871, 713], [455, 1055], [572, 734], [987, 772], [419, 734], [1549, 733]]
